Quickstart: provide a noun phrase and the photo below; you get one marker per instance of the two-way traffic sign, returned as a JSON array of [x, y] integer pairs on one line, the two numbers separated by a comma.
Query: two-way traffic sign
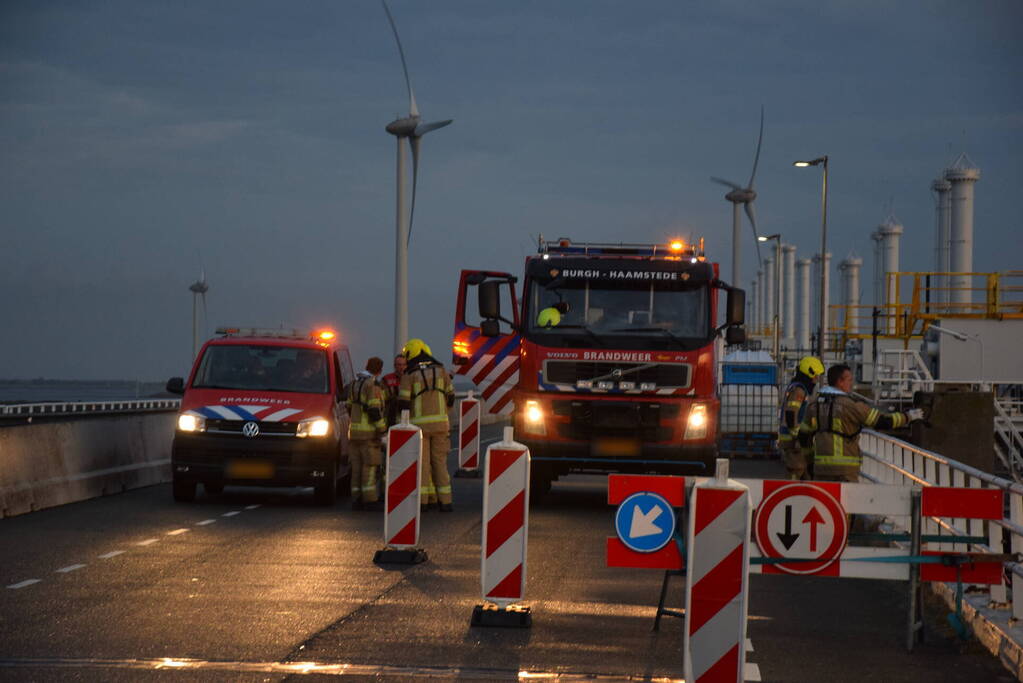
[[804, 521]]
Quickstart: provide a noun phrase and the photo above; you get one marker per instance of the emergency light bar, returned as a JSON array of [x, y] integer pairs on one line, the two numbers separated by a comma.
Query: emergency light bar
[[277, 333], [676, 248]]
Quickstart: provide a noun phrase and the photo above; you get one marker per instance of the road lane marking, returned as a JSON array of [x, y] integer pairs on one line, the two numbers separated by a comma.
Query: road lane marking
[[749, 645], [206, 521], [69, 568], [176, 532], [22, 584], [252, 507], [232, 513], [751, 672], [387, 671], [112, 553], [148, 541]]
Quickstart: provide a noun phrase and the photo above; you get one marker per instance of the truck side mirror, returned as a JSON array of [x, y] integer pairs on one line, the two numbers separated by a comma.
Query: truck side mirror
[[490, 328], [176, 385], [490, 300], [735, 335], [736, 307]]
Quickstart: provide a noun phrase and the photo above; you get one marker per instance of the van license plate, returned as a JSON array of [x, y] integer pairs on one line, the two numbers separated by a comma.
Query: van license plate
[[250, 469]]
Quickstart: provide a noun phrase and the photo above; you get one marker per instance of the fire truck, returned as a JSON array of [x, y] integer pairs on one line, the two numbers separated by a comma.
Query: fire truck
[[608, 362]]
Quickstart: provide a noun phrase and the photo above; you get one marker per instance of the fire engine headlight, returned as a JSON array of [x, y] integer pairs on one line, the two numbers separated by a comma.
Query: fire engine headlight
[[533, 418], [314, 427], [191, 423], [696, 424]]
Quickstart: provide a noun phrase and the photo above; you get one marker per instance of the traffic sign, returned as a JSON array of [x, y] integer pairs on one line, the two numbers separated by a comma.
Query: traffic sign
[[803, 521], [645, 522]]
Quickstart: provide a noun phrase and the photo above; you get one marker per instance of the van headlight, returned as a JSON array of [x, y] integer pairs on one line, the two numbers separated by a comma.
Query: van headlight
[[317, 426], [696, 423], [532, 416], [187, 422]]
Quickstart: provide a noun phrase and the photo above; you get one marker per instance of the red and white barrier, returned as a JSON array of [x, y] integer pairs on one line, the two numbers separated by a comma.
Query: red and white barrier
[[506, 521], [469, 433], [717, 561], [401, 499]]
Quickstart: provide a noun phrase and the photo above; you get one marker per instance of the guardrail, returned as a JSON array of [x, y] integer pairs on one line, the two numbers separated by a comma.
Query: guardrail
[[887, 460], [51, 409]]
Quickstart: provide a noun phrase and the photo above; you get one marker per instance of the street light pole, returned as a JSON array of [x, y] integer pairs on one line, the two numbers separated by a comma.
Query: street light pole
[[822, 322]]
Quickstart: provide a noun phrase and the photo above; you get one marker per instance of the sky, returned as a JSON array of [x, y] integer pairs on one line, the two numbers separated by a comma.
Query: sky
[[146, 140]]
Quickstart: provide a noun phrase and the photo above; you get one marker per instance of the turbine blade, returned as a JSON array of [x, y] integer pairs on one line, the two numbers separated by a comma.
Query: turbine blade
[[424, 128], [722, 181], [760, 140], [414, 142], [753, 222], [413, 110]]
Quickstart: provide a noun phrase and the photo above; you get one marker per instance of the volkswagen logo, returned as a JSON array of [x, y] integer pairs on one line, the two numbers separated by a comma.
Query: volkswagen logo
[[616, 373], [250, 429]]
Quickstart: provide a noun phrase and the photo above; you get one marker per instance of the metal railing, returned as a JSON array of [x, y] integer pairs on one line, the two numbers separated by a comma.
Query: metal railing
[[887, 460], [56, 409]]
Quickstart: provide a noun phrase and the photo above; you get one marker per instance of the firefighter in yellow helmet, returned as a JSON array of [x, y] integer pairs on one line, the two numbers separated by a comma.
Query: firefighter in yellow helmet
[[365, 404], [793, 407], [427, 393], [833, 422]]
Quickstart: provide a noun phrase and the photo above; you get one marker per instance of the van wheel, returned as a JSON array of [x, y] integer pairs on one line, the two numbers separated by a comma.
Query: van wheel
[[184, 491], [325, 492], [344, 485], [213, 489]]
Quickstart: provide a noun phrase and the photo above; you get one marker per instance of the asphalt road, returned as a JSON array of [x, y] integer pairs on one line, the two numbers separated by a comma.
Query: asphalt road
[[261, 585]]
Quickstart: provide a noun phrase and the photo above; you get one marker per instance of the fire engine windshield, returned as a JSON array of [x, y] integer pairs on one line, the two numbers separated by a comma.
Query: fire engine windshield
[[263, 368], [677, 311]]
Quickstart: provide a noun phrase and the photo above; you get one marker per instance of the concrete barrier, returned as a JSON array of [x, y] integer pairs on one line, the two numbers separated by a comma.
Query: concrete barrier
[[47, 464]]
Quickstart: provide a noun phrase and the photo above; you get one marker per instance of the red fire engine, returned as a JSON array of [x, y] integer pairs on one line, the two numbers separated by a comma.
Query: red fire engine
[[609, 363]]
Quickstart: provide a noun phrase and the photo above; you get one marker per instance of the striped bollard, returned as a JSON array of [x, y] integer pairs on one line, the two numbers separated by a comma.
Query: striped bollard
[[468, 437], [717, 580], [505, 531], [401, 498]]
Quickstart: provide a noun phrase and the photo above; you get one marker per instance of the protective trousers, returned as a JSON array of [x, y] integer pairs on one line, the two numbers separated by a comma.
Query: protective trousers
[[795, 461], [365, 458], [435, 482]]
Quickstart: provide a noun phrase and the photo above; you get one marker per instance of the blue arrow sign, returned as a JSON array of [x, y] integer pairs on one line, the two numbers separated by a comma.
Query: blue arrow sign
[[645, 522]]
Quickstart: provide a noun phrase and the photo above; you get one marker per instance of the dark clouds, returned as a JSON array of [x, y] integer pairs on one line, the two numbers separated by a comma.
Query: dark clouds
[[140, 137]]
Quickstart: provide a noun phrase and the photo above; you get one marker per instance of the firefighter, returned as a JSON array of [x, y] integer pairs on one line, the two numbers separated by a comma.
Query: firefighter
[[366, 407], [427, 393], [793, 407], [833, 422]]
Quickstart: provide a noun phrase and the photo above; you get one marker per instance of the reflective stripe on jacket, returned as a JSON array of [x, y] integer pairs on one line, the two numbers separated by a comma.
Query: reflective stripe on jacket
[[834, 421]]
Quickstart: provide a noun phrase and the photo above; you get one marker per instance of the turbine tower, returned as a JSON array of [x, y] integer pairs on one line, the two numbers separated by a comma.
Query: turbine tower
[[198, 289], [410, 128], [744, 196]]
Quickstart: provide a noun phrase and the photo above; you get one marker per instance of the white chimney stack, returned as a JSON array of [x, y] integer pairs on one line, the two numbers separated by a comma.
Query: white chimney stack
[[891, 234], [939, 284], [754, 322], [803, 276], [850, 269], [961, 175], [788, 272], [769, 292]]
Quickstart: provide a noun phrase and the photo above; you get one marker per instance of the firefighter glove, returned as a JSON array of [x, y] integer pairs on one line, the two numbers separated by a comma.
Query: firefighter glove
[[915, 414]]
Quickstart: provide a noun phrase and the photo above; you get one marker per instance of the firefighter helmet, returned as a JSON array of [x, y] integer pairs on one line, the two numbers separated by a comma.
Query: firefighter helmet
[[414, 347], [811, 366], [549, 317]]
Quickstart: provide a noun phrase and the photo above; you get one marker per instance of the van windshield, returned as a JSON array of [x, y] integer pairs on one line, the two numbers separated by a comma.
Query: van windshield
[[263, 368]]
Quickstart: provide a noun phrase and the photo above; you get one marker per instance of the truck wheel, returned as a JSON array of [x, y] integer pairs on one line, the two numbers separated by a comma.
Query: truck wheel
[[325, 492], [539, 484], [184, 491], [213, 489]]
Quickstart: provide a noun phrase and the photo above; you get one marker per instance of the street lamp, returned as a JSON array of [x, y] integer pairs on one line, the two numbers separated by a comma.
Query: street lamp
[[824, 245], [776, 344]]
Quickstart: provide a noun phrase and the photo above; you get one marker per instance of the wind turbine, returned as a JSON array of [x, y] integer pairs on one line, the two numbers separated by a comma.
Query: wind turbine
[[745, 196], [198, 289], [407, 127]]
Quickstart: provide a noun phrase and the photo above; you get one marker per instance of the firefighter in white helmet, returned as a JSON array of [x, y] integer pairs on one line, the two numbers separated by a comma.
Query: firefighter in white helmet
[[427, 393]]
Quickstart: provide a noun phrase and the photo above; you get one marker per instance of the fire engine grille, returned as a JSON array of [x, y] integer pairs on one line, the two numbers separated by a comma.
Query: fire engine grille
[[664, 375], [235, 427]]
